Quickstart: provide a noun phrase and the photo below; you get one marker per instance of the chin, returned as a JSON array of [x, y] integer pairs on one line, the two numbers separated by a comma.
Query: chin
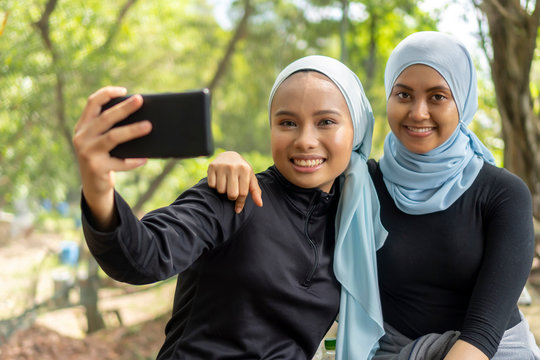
[[419, 149]]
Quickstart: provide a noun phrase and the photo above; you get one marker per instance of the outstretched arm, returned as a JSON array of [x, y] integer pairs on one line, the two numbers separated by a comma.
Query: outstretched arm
[[93, 139], [230, 174]]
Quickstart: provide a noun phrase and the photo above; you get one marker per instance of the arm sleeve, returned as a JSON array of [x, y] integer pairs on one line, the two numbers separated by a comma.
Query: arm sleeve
[[165, 241], [506, 264]]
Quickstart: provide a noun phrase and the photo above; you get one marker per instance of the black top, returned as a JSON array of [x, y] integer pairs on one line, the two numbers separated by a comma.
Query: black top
[[255, 285], [459, 269]]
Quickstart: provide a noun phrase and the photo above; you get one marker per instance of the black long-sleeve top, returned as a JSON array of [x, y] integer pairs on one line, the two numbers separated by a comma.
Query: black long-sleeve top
[[255, 285], [459, 269]]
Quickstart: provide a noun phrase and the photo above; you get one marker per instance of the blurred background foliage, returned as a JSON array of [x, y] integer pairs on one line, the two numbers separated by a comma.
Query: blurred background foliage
[[54, 54]]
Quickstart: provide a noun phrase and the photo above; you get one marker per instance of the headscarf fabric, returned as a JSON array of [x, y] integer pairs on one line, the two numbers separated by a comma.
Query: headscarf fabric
[[359, 232], [431, 182]]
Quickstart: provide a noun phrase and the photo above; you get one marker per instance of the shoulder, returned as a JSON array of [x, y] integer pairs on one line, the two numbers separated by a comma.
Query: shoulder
[[501, 180], [203, 203], [268, 175], [500, 189], [202, 188], [270, 179], [203, 196]]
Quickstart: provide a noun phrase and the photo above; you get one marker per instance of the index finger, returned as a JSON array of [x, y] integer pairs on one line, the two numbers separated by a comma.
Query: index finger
[[98, 99], [255, 190]]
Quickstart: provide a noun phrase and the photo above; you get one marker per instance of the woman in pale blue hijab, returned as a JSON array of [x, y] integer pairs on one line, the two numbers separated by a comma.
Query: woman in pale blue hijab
[[461, 239], [460, 236], [359, 232]]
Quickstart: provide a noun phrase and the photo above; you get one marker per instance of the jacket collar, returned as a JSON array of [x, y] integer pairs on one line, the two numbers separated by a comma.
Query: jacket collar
[[307, 199]]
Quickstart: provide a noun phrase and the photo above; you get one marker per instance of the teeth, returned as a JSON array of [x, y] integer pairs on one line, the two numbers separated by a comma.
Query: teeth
[[419, 130], [308, 163]]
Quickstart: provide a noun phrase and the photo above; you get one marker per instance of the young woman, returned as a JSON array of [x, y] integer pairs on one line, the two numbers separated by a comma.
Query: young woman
[[460, 234], [259, 285]]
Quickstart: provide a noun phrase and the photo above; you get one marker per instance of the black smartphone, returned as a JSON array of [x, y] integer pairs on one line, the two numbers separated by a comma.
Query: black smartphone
[[180, 126]]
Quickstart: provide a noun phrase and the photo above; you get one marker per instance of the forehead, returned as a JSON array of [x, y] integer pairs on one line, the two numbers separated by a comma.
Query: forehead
[[306, 76], [306, 84], [420, 73]]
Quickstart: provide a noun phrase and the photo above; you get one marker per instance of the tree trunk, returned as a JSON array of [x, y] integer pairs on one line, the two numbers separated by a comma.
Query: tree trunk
[[90, 286], [513, 31], [89, 297], [154, 185]]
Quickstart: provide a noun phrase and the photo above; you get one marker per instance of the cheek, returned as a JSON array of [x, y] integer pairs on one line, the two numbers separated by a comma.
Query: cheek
[[278, 143], [393, 113], [344, 136], [343, 142], [451, 119]]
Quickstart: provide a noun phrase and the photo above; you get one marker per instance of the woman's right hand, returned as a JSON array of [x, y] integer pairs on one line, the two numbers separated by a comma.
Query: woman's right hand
[[94, 138], [230, 174]]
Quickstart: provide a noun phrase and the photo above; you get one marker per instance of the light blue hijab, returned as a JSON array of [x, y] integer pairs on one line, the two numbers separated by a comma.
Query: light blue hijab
[[430, 182], [359, 232]]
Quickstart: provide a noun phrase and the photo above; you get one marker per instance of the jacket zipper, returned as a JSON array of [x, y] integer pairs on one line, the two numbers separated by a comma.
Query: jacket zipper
[[307, 281]]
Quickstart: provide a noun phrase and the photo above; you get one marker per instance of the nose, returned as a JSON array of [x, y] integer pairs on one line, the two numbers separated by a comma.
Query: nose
[[419, 110], [307, 138]]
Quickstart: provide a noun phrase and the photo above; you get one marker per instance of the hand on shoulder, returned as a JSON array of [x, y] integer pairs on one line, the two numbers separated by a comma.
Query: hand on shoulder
[[230, 174]]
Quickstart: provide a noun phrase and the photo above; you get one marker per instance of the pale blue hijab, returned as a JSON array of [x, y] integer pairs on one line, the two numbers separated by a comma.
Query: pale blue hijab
[[430, 182], [359, 232]]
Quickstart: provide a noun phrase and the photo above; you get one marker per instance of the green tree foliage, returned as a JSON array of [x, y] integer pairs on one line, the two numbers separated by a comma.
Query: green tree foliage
[[55, 53]]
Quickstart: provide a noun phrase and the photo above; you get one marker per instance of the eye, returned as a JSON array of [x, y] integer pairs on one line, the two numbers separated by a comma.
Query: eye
[[402, 95], [439, 97], [326, 122], [287, 123]]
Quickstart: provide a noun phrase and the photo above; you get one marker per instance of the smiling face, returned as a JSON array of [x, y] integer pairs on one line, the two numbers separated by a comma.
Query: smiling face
[[421, 110], [311, 130]]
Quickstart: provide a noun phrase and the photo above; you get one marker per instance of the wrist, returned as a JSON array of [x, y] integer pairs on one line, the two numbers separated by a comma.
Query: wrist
[[462, 350], [102, 209]]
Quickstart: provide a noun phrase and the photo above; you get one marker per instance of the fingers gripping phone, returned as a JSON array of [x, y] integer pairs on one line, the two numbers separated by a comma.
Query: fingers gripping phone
[[180, 126]]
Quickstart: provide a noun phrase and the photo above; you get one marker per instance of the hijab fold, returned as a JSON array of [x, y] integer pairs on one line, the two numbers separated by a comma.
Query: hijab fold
[[359, 232], [430, 182]]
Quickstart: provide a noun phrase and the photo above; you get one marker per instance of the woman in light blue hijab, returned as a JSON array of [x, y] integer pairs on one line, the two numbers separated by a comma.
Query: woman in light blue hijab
[[360, 325], [461, 240], [359, 232]]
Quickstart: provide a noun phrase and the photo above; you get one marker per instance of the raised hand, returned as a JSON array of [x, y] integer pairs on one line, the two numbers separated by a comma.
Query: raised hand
[[94, 138]]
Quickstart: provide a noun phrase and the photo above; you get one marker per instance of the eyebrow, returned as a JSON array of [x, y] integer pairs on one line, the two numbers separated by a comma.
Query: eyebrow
[[438, 87], [318, 113]]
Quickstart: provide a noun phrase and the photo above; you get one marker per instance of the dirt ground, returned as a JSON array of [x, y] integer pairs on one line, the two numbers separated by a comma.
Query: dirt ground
[[136, 342], [59, 335]]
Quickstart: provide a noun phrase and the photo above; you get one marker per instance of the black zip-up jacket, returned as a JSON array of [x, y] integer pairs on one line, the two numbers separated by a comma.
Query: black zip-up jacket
[[255, 285]]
